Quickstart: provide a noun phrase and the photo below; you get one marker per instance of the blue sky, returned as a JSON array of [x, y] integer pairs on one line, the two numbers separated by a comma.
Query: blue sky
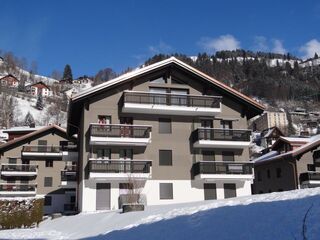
[[94, 34]]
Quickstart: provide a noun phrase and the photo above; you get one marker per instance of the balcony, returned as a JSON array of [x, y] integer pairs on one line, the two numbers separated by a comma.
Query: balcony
[[173, 104], [120, 134], [119, 169], [221, 138], [12, 189], [69, 178], [23, 170], [38, 152], [222, 170], [309, 179]]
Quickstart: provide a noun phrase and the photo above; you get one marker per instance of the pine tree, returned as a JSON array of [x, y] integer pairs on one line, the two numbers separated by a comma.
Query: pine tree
[[316, 56], [29, 120], [39, 104], [67, 74]]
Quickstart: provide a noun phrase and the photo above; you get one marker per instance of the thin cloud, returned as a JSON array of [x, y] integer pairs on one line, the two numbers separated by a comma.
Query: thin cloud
[[310, 48], [161, 47], [260, 44], [223, 42], [278, 46]]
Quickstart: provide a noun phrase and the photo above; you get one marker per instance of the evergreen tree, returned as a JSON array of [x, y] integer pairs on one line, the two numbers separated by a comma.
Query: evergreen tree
[[29, 120], [39, 104], [67, 74], [316, 56]]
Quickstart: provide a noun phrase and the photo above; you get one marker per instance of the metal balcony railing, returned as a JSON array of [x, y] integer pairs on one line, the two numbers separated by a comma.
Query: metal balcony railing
[[18, 167], [172, 99], [119, 166], [221, 168], [41, 149], [309, 176], [221, 134], [11, 187], [120, 130]]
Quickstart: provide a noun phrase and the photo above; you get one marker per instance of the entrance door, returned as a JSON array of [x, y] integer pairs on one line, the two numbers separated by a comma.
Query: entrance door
[[210, 191], [103, 196]]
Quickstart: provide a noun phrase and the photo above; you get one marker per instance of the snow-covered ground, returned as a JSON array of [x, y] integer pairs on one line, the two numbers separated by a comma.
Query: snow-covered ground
[[266, 216]]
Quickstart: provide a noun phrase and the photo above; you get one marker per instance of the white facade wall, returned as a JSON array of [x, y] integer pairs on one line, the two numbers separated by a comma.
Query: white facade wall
[[183, 191]]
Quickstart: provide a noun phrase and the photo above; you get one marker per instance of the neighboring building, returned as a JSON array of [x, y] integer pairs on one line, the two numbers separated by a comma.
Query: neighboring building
[[293, 163], [38, 88], [9, 81], [270, 119], [174, 130], [83, 80], [44, 163], [269, 136], [16, 132]]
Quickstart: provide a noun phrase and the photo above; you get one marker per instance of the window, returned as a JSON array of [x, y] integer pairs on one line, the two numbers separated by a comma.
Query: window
[[48, 181], [225, 124], [103, 119], [25, 161], [229, 190], [279, 173], [72, 199], [12, 161], [208, 155], [165, 157], [47, 201], [164, 125], [125, 154], [311, 167], [268, 173], [49, 163], [166, 191], [104, 153], [228, 156], [210, 191], [259, 176], [42, 142], [206, 123], [126, 120]]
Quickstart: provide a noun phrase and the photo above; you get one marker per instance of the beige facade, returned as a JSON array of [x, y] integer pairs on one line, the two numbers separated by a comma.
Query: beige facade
[[271, 119], [186, 149]]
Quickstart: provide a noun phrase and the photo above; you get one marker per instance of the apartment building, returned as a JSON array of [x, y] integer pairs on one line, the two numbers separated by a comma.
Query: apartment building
[[293, 163], [179, 133], [41, 163], [270, 119]]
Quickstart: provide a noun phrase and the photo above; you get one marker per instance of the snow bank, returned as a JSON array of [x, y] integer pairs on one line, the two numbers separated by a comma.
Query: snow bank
[[266, 216]]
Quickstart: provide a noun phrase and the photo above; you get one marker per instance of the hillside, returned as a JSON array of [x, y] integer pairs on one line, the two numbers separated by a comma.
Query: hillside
[[285, 215]]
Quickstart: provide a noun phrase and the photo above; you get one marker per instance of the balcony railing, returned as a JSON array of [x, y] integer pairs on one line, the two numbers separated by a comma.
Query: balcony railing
[[18, 168], [119, 166], [41, 149], [68, 176], [222, 168], [120, 130], [172, 99], [11, 187], [216, 134], [309, 176]]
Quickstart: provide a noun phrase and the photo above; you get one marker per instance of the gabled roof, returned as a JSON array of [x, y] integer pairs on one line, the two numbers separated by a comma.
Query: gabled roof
[[312, 143], [268, 132], [79, 98], [32, 136], [42, 83], [9, 75]]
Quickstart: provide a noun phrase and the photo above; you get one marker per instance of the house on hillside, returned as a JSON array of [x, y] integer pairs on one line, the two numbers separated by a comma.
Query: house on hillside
[[293, 163], [269, 136], [39, 87], [42, 162], [179, 134], [9, 81]]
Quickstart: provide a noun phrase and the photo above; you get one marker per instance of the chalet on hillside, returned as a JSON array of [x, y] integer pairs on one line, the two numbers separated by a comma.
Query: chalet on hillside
[[39, 87], [9, 81]]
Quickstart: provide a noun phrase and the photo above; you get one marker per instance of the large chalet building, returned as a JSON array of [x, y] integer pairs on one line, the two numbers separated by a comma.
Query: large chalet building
[[178, 132]]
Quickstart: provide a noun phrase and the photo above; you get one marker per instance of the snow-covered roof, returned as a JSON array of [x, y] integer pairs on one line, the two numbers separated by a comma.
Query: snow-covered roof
[[313, 142], [22, 129]]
